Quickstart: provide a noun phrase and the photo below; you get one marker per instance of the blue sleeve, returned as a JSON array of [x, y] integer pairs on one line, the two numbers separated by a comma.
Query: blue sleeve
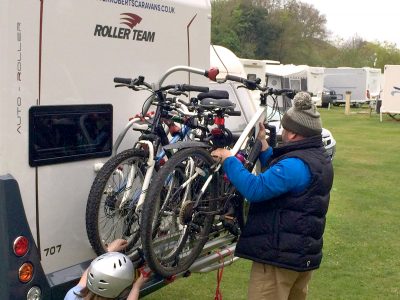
[[264, 156], [71, 294], [289, 175]]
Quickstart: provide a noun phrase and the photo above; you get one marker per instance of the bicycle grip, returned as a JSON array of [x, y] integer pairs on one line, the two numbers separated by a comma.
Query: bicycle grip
[[272, 135], [126, 81], [236, 78], [194, 88], [253, 155]]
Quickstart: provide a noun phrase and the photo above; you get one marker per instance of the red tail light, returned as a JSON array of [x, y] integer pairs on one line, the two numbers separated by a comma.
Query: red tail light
[[21, 246]]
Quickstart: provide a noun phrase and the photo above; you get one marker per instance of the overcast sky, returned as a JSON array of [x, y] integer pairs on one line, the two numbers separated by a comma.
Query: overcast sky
[[370, 20]]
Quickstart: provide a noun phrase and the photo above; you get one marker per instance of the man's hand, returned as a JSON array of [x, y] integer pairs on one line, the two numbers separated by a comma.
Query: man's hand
[[220, 154], [117, 245], [262, 136]]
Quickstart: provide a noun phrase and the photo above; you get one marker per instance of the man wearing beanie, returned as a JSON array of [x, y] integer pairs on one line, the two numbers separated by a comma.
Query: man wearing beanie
[[288, 205]]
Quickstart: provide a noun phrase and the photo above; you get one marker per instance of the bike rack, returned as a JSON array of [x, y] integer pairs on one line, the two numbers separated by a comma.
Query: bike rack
[[217, 252]]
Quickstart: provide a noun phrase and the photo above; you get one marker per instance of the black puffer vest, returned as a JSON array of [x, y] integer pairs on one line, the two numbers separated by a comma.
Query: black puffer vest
[[286, 231]]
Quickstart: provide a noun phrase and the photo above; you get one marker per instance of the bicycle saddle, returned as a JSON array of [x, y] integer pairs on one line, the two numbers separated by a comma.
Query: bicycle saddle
[[214, 94], [211, 103]]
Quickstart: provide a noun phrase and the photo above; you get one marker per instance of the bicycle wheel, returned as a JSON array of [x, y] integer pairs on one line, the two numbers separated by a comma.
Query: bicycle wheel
[[173, 229], [110, 210]]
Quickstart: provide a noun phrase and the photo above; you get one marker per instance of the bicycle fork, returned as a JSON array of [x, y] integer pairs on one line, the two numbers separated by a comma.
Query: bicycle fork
[[131, 176]]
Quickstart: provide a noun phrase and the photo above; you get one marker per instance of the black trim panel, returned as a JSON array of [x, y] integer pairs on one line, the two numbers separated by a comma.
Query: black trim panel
[[13, 223]]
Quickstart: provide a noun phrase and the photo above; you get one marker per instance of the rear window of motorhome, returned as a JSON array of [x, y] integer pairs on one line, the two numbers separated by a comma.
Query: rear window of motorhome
[[67, 133]]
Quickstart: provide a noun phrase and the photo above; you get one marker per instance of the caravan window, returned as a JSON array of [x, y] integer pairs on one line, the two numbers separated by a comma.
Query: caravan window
[[69, 133], [295, 84]]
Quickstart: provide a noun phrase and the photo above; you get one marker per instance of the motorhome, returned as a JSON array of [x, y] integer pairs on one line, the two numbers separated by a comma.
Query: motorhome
[[228, 63], [391, 92], [57, 63], [364, 84]]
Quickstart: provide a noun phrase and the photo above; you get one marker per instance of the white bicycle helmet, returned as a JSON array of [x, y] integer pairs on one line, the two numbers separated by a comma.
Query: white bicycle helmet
[[110, 274]]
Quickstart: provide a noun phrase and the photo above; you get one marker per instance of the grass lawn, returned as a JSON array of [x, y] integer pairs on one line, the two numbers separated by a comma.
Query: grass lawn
[[362, 245]]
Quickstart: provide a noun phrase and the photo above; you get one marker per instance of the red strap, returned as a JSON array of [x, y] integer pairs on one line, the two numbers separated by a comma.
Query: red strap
[[220, 271]]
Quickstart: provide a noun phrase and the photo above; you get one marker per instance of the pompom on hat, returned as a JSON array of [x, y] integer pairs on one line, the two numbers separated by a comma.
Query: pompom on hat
[[302, 118]]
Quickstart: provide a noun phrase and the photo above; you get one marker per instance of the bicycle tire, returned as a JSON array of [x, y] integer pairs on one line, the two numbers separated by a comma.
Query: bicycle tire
[[101, 200], [174, 207]]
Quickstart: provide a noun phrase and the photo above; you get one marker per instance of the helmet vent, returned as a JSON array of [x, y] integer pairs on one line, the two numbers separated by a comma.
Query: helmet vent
[[120, 263], [103, 281]]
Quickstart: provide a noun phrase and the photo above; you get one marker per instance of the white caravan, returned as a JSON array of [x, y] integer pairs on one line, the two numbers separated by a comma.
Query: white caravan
[[248, 101], [391, 91], [257, 68], [57, 60], [297, 77], [363, 83]]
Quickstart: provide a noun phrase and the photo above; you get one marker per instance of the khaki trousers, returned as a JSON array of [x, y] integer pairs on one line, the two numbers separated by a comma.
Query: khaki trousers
[[272, 283]]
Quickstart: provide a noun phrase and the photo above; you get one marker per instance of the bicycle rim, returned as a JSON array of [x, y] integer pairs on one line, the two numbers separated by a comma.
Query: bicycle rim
[[116, 214], [178, 229]]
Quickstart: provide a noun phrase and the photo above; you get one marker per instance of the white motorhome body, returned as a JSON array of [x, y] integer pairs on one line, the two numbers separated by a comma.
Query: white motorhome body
[[226, 61], [391, 91], [363, 83], [65, 52], [300, 78]]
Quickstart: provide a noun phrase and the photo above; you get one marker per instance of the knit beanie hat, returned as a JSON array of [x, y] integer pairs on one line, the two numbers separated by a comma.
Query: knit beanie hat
[[302, 118]]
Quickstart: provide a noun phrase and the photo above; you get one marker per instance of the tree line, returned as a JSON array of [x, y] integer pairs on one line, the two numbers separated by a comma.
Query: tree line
[[291, 31]]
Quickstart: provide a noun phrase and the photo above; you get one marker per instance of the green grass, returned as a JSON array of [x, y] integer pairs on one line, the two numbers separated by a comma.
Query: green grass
[[362, 244]]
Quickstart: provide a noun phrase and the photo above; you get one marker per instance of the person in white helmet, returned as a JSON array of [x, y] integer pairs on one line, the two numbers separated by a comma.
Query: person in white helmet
[[108, 276]]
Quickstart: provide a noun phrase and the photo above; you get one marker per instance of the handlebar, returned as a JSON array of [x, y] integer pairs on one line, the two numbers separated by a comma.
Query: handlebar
[[186, 88], [126, 81], [131, 83], [250, 84], [254, 85], [210, 74]]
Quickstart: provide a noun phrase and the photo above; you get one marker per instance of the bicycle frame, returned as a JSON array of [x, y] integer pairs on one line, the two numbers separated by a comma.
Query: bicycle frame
[[153, 155], [259, 116]]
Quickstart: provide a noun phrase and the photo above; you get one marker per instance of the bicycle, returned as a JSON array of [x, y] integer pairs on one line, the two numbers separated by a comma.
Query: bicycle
[[190, 193], [119, 189]]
